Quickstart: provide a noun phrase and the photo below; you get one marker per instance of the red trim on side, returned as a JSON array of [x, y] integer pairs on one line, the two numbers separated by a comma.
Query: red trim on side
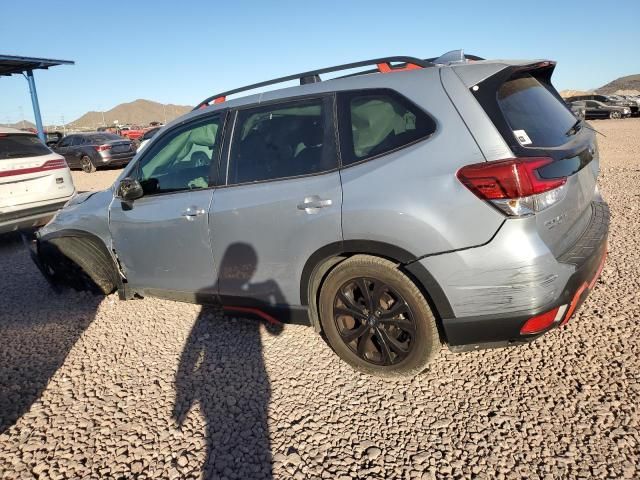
[[219, 100], [581, 290], [45, 167], [386, 68], [574, 303], [255, 311]]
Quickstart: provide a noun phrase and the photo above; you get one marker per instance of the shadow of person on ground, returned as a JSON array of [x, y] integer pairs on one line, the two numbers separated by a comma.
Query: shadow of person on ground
[[222, 370], [38, 328]]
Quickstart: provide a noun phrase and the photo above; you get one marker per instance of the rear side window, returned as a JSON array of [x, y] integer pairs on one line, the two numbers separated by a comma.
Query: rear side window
[[20, 145], [107, 137], [282, 141], [536, 116], [379, 122]]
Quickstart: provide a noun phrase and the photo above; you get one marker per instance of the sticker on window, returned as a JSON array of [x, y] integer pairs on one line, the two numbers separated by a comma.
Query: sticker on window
[[522, 137]]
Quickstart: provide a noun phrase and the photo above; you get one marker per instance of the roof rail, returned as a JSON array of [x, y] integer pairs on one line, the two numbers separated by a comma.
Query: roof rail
[[313, 76]]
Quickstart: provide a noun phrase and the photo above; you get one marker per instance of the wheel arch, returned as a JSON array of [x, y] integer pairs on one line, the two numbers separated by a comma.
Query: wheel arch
[[57, 238], [323, 260]]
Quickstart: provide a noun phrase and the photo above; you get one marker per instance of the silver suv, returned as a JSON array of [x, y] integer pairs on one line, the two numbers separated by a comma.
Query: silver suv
[[450, 200]]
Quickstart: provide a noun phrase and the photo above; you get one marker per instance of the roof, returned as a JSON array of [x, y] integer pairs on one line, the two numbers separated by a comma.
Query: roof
[[11, 65], [6, 130]]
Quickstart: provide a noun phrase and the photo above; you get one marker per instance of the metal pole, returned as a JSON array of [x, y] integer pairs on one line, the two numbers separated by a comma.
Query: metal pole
[[36, 106]]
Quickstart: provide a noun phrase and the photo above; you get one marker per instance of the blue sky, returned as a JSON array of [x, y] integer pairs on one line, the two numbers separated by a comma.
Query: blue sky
[[181, 52]]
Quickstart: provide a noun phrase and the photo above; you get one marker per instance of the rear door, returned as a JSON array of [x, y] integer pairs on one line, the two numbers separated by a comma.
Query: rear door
[[281, 202], [162, 239]]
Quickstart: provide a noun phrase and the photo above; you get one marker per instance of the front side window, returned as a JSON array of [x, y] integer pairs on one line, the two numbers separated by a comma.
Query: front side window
[[21, 145], [281, 141], [375, 123], [182, 160], [65, 142]]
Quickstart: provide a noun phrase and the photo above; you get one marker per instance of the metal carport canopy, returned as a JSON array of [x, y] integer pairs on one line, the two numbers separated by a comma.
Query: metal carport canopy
[[13, 65]]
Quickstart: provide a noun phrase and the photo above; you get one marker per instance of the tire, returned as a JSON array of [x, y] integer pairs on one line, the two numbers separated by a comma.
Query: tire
[[400, 317], [614, 115], [79, 263], [87, 165]]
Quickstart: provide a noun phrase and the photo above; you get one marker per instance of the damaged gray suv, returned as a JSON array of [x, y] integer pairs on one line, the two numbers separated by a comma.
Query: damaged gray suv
[[410, 204]]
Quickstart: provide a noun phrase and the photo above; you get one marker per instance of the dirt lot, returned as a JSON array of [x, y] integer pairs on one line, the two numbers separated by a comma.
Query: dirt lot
[[98, 388]]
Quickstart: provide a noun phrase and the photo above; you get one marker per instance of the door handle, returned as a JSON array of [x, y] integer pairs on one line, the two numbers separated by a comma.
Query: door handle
[[193, 212], [313, 203]]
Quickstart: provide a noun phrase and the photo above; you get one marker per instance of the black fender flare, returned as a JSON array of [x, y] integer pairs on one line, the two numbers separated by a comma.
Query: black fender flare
[[97, 242], [325, 258]]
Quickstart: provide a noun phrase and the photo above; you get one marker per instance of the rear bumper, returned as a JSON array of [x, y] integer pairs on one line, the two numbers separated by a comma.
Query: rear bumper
[[116, 160], [29, 217], [587, 255]]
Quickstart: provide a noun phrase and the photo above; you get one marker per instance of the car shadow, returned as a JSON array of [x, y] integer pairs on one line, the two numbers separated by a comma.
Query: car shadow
[[38, 328], [222, 371]]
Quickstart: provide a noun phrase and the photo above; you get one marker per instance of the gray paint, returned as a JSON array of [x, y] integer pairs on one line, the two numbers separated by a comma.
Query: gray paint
[[515, 272], [254, 241]]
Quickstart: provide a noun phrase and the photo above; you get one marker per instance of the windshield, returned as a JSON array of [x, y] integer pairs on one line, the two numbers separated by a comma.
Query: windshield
[[18, 145], [536, 116]]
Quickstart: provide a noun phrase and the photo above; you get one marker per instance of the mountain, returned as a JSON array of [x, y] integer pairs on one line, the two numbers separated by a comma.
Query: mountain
[[573, 93], [622, 85], [138, 112], [22, 124]]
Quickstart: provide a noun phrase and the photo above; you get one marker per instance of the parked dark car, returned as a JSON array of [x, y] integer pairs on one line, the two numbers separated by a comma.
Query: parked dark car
[[89, 151], [52, 138], [578, 108], [595, 109], [611, 100]]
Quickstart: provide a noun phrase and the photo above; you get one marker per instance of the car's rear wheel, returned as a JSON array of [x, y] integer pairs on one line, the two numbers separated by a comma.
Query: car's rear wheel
[[87, 165], [376, 319], [615, 115]]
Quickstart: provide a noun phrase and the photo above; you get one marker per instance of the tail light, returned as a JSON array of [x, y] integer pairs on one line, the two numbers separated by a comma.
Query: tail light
[[46, 166], [102, 148], [54, 164], [514, 186]]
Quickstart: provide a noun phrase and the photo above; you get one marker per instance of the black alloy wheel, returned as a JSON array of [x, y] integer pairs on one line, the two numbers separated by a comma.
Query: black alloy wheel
[[374, 321]]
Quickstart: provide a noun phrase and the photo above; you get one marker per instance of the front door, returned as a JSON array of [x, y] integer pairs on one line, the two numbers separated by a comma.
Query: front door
[[63, 147], [162, 239], [281, 203]]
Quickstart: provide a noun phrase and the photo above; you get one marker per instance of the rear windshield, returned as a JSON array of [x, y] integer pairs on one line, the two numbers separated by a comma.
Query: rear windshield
[[19, 145], [103, 137], [536, 116]]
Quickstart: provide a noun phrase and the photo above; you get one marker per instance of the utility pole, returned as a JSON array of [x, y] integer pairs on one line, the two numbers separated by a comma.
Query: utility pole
[[64, 127], [21, 117], [103, 124], [164, 111]]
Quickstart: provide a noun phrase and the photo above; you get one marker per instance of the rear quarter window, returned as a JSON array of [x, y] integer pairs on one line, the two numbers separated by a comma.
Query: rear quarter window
[[20, 146], [379, 122], [529, 107]]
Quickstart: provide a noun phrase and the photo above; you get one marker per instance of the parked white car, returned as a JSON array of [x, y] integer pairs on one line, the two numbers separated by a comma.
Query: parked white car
[[34, 182]]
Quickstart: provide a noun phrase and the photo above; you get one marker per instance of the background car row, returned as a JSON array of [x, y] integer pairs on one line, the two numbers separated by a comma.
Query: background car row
[[604, 106]]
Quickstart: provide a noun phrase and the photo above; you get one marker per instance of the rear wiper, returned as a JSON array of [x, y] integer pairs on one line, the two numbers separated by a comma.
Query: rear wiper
[[593, 129], [574, 128]]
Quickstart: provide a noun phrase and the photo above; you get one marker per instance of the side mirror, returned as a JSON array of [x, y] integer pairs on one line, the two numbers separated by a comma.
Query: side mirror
[[129, 189]]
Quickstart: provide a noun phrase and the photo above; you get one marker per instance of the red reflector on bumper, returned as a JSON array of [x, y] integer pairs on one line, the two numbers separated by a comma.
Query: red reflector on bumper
[[539, 323]]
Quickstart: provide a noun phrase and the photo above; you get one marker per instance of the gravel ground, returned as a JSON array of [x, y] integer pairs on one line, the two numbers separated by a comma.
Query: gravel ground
[[98, 388]]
